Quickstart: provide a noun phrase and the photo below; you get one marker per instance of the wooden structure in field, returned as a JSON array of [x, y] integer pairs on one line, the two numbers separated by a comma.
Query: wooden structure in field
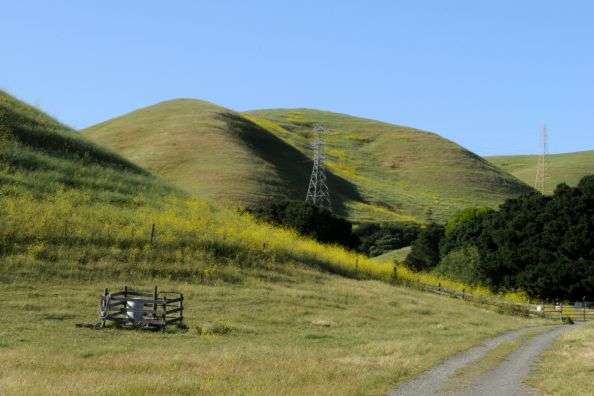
[[147, 310]]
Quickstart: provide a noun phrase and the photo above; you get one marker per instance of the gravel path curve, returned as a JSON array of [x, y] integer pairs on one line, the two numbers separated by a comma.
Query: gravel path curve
[[505, 379]]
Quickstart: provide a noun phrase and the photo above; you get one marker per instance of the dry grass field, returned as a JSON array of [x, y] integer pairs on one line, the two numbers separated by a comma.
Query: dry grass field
[[293, 331]]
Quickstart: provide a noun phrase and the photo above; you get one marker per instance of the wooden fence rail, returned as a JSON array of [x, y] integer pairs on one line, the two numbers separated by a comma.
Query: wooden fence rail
[[134, 308]]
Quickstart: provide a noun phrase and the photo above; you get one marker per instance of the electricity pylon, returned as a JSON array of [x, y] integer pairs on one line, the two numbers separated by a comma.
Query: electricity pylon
[[317, 192], [540, 182]]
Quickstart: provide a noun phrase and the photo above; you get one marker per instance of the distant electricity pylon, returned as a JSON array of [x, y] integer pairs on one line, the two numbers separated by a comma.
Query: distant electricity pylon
[[317, 192], [540, 182]]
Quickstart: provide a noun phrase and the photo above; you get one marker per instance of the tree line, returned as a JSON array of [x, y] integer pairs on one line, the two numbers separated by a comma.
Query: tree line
[[543, 245]]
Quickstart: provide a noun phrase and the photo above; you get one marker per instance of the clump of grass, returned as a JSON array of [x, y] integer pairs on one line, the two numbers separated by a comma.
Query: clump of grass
[[215, 329]]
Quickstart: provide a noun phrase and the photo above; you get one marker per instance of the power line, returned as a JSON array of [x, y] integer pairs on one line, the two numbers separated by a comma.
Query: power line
[[318, 193]]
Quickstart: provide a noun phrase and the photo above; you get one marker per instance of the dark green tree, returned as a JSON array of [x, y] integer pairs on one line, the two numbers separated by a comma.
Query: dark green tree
[[424, 254]]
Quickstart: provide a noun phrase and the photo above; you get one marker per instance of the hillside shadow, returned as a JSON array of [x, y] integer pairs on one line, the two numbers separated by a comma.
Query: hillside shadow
[[292, 166]]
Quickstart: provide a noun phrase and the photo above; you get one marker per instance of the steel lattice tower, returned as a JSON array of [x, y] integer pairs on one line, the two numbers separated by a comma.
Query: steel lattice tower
[[317, 192], [540, 182]]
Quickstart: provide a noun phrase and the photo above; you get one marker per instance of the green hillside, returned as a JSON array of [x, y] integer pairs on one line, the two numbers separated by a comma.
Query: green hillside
[[212, 152], [377, 171], [560, 168], [39, 155], [401, 172]]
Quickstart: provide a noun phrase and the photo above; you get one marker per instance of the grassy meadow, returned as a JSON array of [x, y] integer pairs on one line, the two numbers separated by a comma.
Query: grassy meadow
[[289, 331], [567, 367], [560, 168]]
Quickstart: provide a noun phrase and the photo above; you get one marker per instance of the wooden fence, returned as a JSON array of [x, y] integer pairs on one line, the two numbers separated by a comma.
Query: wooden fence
[[140, 309], [581, 311]]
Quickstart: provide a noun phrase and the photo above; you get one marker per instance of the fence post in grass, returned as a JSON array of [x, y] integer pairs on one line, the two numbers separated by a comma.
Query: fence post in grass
[[181, 307], [153, 233], [584, 308], [155, 295]]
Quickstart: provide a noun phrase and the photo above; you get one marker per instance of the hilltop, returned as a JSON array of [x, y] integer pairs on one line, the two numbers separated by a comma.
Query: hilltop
[[212, 152], [560, 168], [377, 171]]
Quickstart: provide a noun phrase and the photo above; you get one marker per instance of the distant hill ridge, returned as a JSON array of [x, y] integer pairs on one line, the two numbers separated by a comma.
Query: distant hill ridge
[[560, 168]]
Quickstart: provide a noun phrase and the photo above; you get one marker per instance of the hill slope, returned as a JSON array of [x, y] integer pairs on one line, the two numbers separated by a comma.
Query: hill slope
[[561, 168], [39, 155], [398, 170], [212, 152], [377, 171]]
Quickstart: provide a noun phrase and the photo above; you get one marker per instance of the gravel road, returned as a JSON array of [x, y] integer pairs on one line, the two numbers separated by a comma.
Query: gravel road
[[505, 379]]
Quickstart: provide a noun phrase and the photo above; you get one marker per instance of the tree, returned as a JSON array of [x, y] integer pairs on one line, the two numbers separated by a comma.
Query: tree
[[424, 254], [308, 220], [542, 245]]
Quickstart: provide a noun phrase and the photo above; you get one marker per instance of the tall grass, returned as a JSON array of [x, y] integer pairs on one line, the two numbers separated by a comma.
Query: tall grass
[[70, 234]]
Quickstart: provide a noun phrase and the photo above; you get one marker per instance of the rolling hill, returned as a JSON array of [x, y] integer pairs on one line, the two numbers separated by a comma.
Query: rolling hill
[[560, 168], [212, 152], [401, 172], [377, 171], [39, 155]]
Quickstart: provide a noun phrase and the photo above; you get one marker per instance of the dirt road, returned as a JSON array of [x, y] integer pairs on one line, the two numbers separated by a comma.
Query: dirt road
[[506, 378]]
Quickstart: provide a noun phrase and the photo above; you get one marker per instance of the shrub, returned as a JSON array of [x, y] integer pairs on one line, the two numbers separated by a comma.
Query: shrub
[[424, 254], [376, 239], [461, 264], [540, 244], [308, 220]]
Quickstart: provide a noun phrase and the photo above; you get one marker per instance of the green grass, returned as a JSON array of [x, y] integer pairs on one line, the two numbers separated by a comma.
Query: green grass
[[398, 170], [295, 331], [398, 255], [212, 152], [560, 168], [567, 368], [377, 171], [40, 156]]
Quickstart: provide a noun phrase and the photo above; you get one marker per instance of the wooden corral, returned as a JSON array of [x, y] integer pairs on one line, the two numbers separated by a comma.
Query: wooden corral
[[139, 309]]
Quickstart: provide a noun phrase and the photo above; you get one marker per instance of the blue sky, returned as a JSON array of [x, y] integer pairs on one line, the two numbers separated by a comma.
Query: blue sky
[[484, 74]]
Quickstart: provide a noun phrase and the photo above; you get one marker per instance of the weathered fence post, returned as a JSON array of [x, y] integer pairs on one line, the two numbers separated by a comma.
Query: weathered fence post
[[584, 308], [153, 233], [155, 295]]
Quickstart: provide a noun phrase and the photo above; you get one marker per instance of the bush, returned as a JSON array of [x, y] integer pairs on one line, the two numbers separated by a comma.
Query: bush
[[376, 239], [308, 220], [540, 244], [461, 264]]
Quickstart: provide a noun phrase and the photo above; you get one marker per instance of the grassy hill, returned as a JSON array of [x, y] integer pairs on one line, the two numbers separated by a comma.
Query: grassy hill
[[401, 172], [212, 152], [377, 171], [560, 168], [39, 155], [266, 308]]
